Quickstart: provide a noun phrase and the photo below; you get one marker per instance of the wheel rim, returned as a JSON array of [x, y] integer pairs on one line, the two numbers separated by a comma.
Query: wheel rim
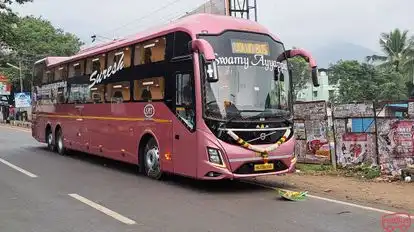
[[60, 143], [152, 161], [49, 139]]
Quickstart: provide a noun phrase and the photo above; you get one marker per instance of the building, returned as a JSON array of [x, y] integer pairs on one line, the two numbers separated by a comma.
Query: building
[[324, 92]]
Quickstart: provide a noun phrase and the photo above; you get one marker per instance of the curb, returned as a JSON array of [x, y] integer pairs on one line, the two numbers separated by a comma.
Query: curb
[[22, 124]]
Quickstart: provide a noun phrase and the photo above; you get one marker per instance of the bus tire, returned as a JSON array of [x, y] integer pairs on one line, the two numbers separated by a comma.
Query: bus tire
[[60, 147], [151, 159], [49, 138]]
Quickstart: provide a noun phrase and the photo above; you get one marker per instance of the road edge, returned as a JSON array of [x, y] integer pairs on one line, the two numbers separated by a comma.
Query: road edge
[[329, 199], [8, 126]]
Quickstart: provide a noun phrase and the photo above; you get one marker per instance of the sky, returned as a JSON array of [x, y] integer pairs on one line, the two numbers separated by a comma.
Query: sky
[[301, 23]]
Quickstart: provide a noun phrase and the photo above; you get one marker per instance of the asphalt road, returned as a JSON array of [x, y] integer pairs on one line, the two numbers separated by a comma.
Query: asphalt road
[[68, 193]]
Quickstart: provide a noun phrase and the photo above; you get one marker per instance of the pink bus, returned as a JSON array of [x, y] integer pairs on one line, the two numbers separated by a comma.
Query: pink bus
[[207, 97]]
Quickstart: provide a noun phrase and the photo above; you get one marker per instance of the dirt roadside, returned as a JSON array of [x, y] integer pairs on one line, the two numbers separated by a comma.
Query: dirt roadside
[[374, 193]]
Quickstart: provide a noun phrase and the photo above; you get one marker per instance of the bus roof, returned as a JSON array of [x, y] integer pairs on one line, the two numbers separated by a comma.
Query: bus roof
[[193, 24]]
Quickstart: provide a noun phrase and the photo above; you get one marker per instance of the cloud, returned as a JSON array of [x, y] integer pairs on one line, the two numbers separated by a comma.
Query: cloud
[[86, 17], [301, 23]]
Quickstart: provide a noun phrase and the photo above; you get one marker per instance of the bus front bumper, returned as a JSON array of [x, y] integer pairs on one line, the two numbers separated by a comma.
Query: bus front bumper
[[245, 168]]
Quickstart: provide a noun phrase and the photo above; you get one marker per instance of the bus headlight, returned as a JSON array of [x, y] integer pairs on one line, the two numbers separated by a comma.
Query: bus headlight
[[214, 156]]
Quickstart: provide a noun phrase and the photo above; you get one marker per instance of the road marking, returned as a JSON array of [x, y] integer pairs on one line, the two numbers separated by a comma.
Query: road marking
[[103, 209], [18, 168], [16, 128], [329, 200]]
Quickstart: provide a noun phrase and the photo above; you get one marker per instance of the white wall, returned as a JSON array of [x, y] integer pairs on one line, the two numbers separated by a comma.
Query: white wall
[[322, 92]]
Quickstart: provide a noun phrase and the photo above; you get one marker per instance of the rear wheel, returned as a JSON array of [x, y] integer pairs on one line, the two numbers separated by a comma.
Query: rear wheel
[[49, 140], [152, 160], [59, 142]]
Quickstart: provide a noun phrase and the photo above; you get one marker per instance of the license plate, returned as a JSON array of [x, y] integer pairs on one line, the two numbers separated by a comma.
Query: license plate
[[263, 167]]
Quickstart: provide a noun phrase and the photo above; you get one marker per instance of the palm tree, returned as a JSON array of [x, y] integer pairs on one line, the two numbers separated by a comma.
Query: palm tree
[[398, 50]]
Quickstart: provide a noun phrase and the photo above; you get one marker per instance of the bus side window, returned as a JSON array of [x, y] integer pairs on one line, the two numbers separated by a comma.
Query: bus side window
[[149, 89], [184, 101], [48, 77], [115, 56], [39, 74], [77, 69], [97, 94], [184, 90], [118, 92], [60, 98], [96, 63], [61, 73], [150, 51], [181, 40], [79, 93]]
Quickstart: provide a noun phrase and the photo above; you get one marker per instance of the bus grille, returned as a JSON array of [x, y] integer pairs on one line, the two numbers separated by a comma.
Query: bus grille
[[253, 137]]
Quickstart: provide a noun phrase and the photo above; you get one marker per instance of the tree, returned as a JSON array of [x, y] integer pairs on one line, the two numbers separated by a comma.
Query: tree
[[300, 74], [6, 30], [7, 21], [398, 54], [5, 3], [397, 48], [359, 82], [36, 38]]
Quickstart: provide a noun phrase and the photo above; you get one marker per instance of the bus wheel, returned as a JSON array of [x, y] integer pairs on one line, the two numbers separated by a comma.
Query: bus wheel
[[152, 160], [59, 142], [49, 140]]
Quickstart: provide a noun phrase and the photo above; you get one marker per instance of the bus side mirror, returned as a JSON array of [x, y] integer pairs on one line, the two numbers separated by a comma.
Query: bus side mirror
[[204, 48], [307, 57], [211, 71]]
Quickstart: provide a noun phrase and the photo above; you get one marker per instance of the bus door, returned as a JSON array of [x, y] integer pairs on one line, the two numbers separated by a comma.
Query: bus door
[[82, 137], [185, 141]]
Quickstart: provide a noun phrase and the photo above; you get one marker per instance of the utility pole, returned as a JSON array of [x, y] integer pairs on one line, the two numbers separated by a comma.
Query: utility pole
[[20, 76], [242, 8], [20, 73]]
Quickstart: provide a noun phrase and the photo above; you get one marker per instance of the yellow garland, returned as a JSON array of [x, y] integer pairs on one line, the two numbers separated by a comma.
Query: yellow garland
[[263, 152]]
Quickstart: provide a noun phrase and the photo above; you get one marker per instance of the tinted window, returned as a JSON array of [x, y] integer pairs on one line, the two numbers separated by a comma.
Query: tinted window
[[77, 69], [79, 93], [149, 89], [118, 92], [96, 63], [115, 56], [181, 41], [61, 73], [39, 72], [184, 102], [150, 51], [97, 94]]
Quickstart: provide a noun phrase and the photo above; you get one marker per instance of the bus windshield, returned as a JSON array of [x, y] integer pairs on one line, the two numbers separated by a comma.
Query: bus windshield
[[251, 81]]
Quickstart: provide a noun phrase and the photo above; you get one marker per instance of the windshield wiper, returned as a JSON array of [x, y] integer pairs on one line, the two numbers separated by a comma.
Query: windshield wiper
[[238, 115], [231, 119], [286, 119], [272, 113], [251, 111]]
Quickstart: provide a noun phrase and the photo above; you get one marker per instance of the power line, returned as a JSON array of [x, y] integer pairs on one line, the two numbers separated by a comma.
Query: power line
[[143, 17], [100, 38], [176, 15]]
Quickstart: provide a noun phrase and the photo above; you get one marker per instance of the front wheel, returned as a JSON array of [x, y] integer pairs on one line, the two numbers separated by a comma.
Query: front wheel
[[152, 160]]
